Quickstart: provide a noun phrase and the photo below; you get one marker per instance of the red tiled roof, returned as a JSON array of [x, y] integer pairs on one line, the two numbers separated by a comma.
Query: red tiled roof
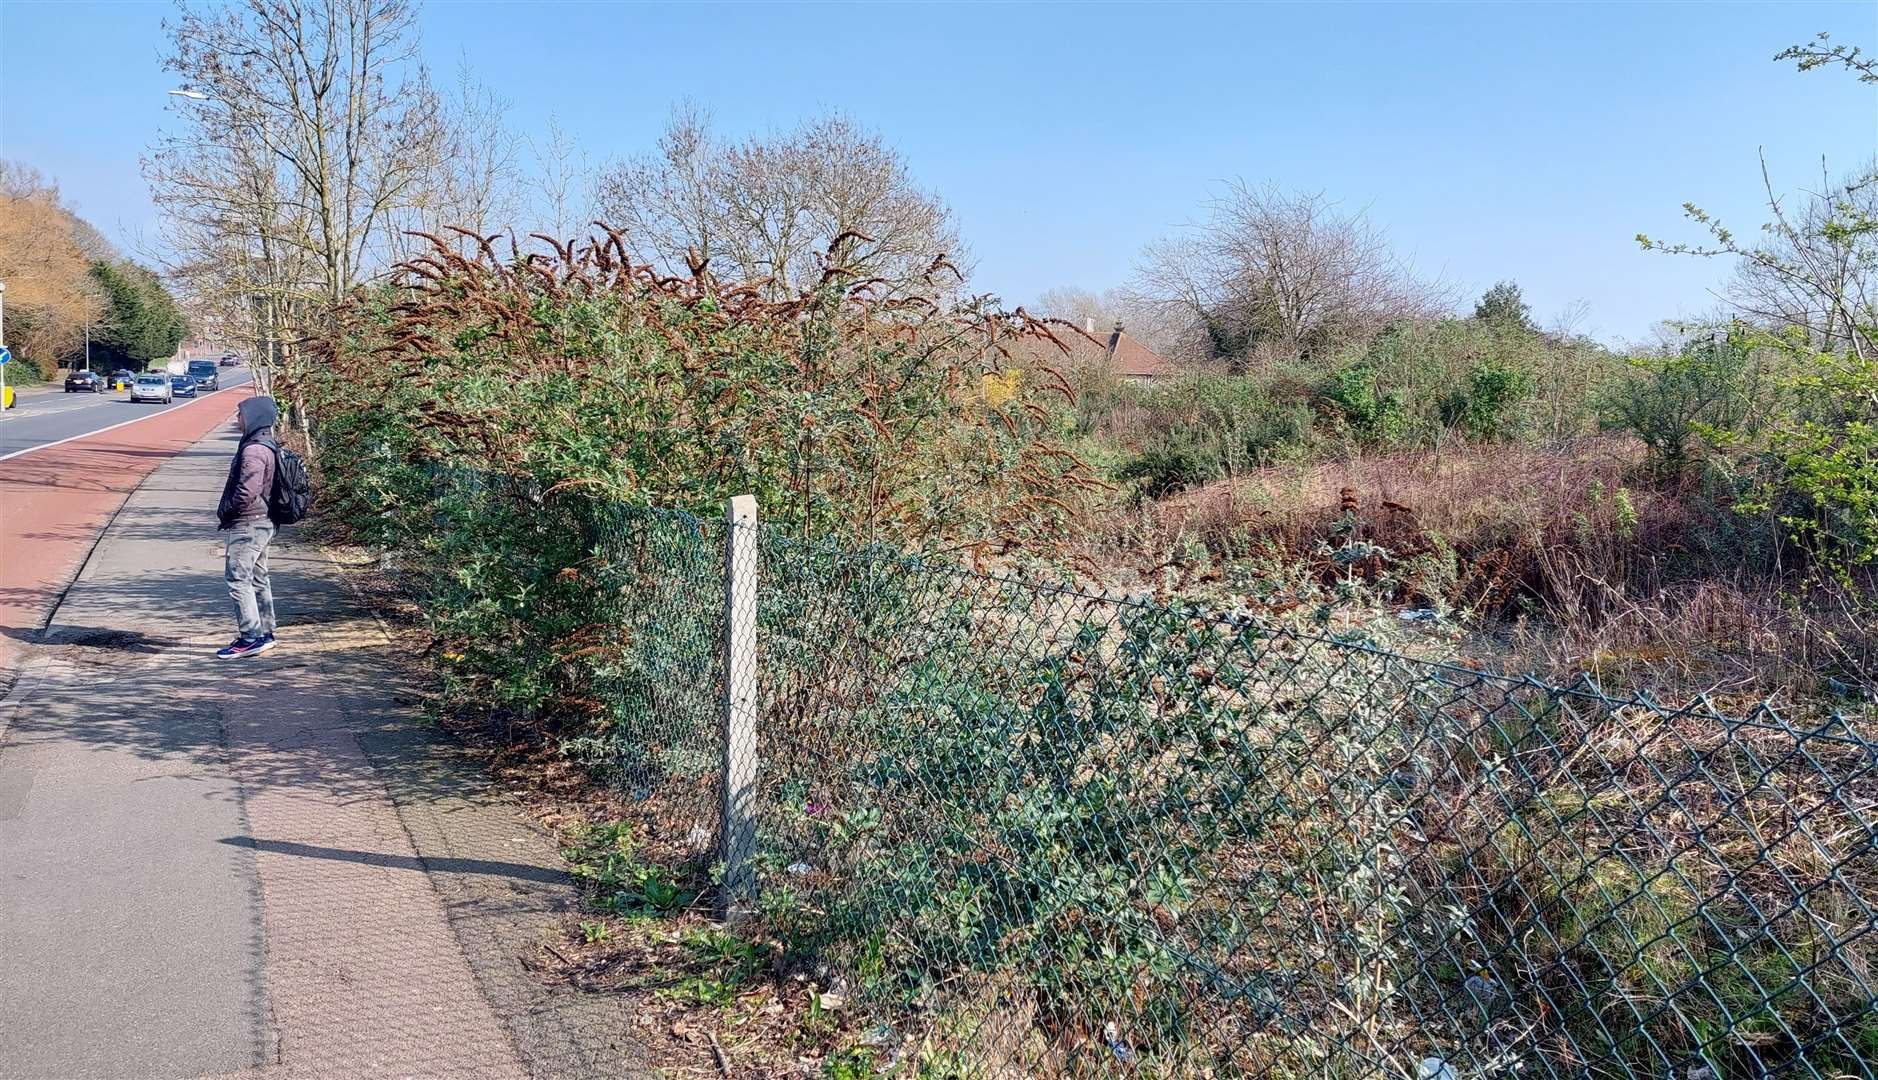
[[1076, 350], [1115, 350], [1133, 360]]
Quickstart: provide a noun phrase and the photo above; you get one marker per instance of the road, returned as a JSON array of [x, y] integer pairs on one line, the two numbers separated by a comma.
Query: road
[[43, 417]]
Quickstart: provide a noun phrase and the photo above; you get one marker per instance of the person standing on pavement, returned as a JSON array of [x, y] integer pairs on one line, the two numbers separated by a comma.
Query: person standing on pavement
[[243, 515]]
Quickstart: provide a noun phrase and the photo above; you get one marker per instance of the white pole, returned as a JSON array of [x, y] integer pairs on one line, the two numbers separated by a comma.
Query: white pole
[[739, 706]]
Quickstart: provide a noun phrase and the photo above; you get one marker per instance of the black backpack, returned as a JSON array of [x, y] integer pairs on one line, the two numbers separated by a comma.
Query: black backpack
[[292, 494]]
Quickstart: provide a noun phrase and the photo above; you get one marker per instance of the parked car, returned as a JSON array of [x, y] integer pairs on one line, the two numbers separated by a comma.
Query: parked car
[[153, 386], [84, 382], [121, 379], [203, 371], [182, 386]]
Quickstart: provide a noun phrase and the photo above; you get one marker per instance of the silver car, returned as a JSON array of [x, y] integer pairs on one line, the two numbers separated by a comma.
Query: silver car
[[152, 386]]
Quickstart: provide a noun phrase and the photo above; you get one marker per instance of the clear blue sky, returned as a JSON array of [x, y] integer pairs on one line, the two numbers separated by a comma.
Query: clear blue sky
[[1520, 141]]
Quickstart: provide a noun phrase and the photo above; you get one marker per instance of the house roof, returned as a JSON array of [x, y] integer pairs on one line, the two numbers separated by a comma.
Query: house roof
[[1115, 350], [1077, 350], [1133, 360]]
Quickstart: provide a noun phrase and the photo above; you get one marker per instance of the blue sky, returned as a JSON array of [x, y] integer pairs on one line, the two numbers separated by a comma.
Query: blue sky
[[1523, 141]]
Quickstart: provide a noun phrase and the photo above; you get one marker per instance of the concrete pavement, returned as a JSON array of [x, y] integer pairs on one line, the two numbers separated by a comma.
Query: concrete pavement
[[263, 867]]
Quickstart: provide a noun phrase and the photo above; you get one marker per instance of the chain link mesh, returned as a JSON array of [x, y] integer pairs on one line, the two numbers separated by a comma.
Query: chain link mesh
[[1027, 831]]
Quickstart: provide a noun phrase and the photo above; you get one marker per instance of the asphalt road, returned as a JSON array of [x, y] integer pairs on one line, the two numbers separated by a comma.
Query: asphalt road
[[48, 417]]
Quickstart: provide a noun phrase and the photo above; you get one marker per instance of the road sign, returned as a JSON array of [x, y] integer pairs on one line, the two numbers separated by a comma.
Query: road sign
[[5, 354]]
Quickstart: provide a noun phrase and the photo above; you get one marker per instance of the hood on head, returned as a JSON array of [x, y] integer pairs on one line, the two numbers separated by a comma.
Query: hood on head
[[257, 413]]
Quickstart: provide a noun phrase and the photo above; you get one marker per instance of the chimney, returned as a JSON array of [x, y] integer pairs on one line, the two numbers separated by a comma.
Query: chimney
[[1088, 326], [1115, 338]]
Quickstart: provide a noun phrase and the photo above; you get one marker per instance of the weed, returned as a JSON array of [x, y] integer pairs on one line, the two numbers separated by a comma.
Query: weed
[[606, 861], [851, 1065], [729, 965]]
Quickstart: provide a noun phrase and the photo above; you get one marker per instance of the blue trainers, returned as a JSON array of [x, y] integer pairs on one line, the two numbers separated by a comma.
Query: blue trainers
[[240, 647], [267, 641]]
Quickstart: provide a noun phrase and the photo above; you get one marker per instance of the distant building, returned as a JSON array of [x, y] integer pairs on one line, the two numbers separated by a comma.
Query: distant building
[[1126, 356]]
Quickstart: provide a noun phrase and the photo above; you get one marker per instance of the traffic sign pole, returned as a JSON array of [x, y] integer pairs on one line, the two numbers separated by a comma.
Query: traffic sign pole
[[5, 355]]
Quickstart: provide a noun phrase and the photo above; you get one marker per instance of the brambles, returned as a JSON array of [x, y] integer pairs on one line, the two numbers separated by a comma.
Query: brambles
[[1823, 460], [1372, 414], [1487, 407]]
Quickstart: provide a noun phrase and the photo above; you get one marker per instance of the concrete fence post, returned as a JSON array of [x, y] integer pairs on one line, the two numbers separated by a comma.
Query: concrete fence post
[[738, 827]]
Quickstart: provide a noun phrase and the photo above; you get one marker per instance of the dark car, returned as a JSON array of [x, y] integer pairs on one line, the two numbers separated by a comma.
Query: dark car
[[84, 382], [120, 379], [203, 371], [182, 386]]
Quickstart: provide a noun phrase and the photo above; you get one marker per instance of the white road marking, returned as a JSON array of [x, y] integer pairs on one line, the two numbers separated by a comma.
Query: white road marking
[[133, 420]]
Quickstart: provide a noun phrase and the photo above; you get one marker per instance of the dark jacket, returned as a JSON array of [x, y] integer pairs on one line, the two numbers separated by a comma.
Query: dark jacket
[[251, 473]]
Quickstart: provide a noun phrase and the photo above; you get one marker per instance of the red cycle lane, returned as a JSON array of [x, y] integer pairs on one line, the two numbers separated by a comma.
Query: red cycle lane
[[55, 500]]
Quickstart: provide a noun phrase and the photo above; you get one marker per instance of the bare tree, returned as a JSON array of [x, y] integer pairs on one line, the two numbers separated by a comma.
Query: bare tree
[[1273, 271], [769, 208], [557, 180], [1164, 328], [237, 234], [330, 93], [1075, 305], [1814, 268], [476, 181]]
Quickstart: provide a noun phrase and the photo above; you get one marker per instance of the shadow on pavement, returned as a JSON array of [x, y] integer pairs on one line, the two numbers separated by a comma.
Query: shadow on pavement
[[521, 871]]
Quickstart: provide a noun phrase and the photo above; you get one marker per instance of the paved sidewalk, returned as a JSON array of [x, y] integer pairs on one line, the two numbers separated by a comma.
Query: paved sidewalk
[[264, 867]]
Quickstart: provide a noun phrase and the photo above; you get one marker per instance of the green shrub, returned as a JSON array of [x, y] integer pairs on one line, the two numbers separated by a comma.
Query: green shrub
[[1172, 467], [1707, 392], [1822, 458], [484, 419], [953, 827], [1488, 408], [1198, 428], [1373, 415]]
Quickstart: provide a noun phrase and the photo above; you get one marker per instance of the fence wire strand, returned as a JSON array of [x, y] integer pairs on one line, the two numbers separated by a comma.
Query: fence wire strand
[[1027, 831]]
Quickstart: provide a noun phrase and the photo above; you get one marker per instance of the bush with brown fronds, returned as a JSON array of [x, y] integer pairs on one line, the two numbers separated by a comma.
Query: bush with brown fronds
[[469, 418]]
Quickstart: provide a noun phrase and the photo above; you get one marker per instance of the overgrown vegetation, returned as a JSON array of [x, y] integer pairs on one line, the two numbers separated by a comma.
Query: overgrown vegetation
[[1279, 819], [1010, 830], [468, 419], [1742, 459]]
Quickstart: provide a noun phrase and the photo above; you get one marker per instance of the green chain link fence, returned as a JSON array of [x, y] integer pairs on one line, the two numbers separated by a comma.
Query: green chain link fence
[[1026, 831]]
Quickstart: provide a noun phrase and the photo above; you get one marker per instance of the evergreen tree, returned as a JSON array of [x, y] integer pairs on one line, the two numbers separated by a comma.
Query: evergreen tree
[[1503, 305], [142, 322]]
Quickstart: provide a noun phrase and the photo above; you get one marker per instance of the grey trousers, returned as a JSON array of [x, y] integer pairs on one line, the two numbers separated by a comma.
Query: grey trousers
[[246, 573]]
